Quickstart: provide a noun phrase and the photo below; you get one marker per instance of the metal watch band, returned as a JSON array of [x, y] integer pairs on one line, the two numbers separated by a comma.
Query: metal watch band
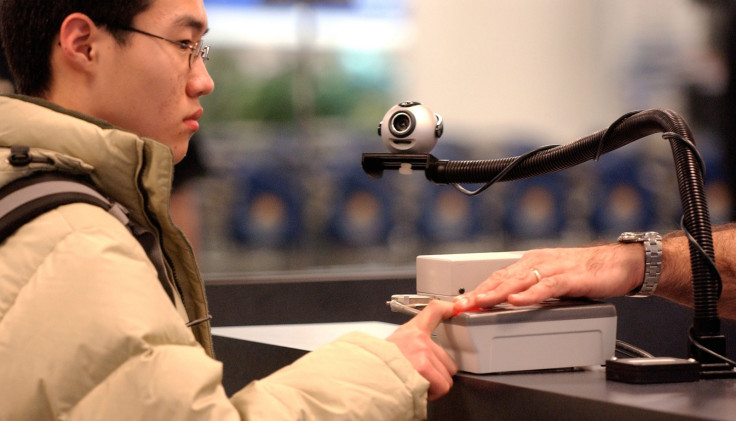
[[652, 242]]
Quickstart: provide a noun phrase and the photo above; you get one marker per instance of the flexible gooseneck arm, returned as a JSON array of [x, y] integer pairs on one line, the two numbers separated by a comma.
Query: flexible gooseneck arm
[[625, 130]]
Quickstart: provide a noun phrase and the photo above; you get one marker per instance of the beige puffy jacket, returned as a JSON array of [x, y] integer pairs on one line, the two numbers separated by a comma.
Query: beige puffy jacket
[[88, 333]]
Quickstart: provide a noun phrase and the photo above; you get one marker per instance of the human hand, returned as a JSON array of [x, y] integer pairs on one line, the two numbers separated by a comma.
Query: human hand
[[431, 361], [593, 272]]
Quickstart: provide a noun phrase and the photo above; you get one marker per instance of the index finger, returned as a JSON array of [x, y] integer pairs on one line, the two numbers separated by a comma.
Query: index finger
[[429, 318]]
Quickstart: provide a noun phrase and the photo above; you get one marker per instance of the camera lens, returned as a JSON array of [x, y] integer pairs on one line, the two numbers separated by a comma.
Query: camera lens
[[402, 124]]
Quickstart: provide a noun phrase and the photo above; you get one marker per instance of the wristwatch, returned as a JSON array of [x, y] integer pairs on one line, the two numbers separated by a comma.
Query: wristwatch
[[652, 260]]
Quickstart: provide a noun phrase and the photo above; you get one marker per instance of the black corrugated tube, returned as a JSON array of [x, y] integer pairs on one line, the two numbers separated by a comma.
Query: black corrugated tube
[[633, 126]]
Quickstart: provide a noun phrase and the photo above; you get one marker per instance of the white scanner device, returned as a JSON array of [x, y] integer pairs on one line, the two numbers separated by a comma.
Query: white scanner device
[[556, 334]]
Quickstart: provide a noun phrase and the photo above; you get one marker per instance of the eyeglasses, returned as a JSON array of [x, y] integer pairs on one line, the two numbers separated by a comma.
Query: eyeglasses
[[195, 50]]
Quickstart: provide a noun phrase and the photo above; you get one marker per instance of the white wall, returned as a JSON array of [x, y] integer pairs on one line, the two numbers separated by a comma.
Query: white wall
[[564, 68]]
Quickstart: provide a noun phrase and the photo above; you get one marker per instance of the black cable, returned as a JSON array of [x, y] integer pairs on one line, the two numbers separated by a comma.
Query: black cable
[[518, 160], [691, 240], [695, 342], [610, 130], [631, 350], [625, 353], [689, 144], [704, 255]]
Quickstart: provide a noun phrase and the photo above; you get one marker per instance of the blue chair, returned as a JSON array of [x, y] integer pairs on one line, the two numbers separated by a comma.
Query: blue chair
[[267, 208], [624, 199], [534, 207], [360, 205], [447, 215]]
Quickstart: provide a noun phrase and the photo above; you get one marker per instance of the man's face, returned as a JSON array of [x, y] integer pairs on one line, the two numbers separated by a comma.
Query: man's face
[[147, 85]]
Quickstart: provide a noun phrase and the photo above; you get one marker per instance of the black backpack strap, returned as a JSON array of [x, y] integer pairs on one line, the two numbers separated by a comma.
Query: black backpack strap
[[27, 198]]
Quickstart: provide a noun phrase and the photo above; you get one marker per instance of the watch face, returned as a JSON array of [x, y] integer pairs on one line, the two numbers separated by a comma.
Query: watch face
[[631, 237], [636, 237]]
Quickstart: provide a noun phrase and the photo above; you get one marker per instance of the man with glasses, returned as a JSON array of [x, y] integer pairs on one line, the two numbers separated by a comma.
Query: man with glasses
[[88, 329]]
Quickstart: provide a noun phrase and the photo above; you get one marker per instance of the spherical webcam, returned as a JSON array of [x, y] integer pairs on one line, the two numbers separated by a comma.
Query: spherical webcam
[[410, 127]]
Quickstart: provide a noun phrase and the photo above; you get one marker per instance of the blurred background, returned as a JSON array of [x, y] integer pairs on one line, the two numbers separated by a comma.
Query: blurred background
[[274, 181]]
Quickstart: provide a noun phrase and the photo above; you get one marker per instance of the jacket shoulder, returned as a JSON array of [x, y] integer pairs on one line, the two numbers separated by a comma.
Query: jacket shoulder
[[82, 297]]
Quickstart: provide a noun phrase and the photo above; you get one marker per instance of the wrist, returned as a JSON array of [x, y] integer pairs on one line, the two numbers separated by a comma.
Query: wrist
[[676, 277], [632, 264]]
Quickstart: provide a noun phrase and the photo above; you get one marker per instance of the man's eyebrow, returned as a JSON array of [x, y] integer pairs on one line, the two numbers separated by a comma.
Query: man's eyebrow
[[191, 22]]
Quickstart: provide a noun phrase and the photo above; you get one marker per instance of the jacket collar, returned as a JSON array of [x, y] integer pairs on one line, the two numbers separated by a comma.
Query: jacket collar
[[133, 170]]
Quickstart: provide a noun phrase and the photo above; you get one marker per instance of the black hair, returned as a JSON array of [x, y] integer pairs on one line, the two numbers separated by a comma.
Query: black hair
[[4, 71], [28, 29]]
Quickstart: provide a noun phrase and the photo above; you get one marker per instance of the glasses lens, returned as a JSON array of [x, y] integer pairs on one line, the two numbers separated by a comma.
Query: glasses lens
[[195, 49], [199, 49]]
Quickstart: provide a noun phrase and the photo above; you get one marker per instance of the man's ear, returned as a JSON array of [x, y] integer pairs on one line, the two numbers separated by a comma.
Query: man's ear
[[77, 37]]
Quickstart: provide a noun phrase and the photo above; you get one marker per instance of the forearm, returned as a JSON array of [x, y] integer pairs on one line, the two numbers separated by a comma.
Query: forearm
[[356, 377], [676, 277]]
